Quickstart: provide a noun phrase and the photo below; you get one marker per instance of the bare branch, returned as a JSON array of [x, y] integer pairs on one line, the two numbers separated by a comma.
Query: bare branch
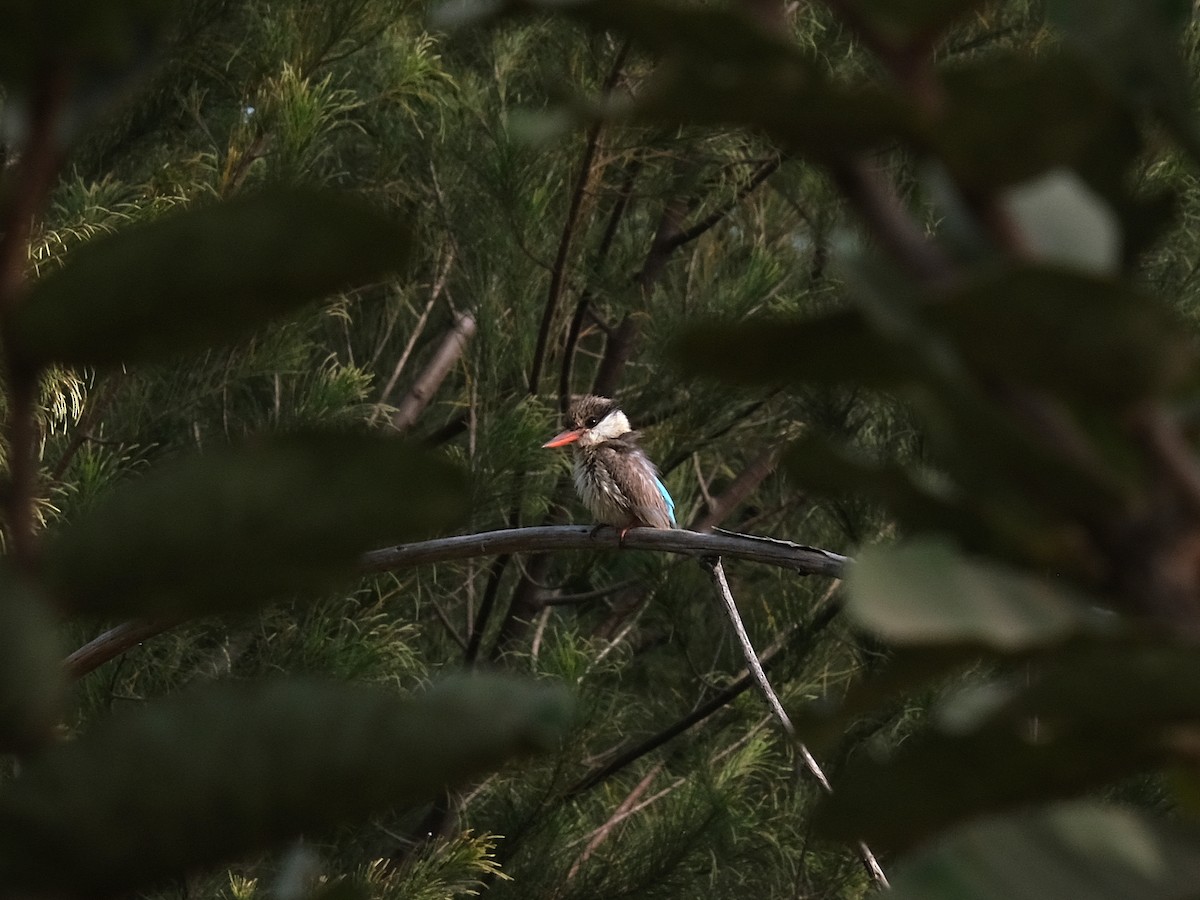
[[552, 538], [435, 373], [875, 200], [558, 271], [434, 293], [717, 571], [502, 544], [695, 230], [113, 643], [799, 634], [741, 487], [584, 303], [619, 815]]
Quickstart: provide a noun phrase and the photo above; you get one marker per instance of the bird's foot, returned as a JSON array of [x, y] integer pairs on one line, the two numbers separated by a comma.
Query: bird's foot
[[595, 531]]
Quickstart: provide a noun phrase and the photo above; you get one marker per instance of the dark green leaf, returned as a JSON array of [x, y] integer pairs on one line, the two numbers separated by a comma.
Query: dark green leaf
[[721, 66], [995, 522], [920, 505], [802, 113], [902, 25], [93, 40], [823, 724], [1085, 715], [939, 779], [1009, 119], [1111, 692], [204, 275], [1134, 46], [1039, 325], [233, 528], [925, 592], [1022, 479], [839, 347], [1047, 327], [32, 680], [1066, 850], [212, 774]]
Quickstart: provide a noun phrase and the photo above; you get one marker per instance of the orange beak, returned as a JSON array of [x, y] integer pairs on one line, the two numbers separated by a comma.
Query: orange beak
[[569, 436]]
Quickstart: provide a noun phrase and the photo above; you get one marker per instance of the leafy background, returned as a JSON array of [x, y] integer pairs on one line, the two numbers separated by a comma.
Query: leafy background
[[861, 273]]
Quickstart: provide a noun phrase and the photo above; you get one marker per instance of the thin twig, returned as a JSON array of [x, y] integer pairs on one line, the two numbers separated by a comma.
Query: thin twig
[[434, 294], [426, 386], [619, 815], [450, 629], [486, 605], [741, 487], [558, 271], [876, 201], [803, 633], [584, 303], [717, 571], [697, 229]]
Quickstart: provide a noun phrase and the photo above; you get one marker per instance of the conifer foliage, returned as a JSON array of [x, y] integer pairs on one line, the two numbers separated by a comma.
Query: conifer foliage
[[282, 283]]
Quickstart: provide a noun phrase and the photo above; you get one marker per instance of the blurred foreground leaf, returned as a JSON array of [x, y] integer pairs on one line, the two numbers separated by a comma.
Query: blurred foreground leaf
[[1012, 118], [215, 773], [925, 592], [939, 779], [238, 527], [1070, 721], [203, 275], [1080, 850], [1134, 46], [1041, 325], [93, 37], [901, 25], [718, 65], [32, 680], [1063, 221]]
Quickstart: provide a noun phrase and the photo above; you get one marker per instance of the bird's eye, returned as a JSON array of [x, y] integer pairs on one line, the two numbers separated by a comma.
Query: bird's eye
[[591, 422]]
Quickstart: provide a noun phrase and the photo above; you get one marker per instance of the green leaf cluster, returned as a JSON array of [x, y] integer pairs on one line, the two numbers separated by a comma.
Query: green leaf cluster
[[282, 515], [1052, 521]]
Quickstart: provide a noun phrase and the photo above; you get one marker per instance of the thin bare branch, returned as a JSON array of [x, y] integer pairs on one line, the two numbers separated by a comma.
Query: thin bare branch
[[553, 538], [502, 544], [450, 351], [558, 271], [583, 304], [717, 571], [798, 635], [112, 643], [619, 815], [874, 198], [697, 229], [741, 487], [434, 293]]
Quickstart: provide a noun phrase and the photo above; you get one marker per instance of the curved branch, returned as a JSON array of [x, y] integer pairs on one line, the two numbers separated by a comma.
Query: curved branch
[[770, 551]]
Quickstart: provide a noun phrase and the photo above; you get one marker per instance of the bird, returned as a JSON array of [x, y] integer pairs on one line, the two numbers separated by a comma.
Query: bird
[[613, 475]]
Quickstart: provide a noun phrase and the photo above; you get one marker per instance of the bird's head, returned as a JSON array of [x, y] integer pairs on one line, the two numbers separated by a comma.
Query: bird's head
[[590, 421]]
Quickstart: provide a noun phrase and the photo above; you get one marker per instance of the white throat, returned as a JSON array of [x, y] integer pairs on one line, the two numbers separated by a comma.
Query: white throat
[[612, 426]]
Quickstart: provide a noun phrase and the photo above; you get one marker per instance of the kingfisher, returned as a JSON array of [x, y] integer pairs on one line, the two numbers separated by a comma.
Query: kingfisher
[[613, 475]]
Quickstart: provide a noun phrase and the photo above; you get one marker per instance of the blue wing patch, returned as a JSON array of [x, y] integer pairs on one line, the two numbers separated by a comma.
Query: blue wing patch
[[666, 495]]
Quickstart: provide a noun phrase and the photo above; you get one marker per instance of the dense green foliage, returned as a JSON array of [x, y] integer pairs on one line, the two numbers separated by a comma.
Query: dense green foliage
[[861, 270]]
